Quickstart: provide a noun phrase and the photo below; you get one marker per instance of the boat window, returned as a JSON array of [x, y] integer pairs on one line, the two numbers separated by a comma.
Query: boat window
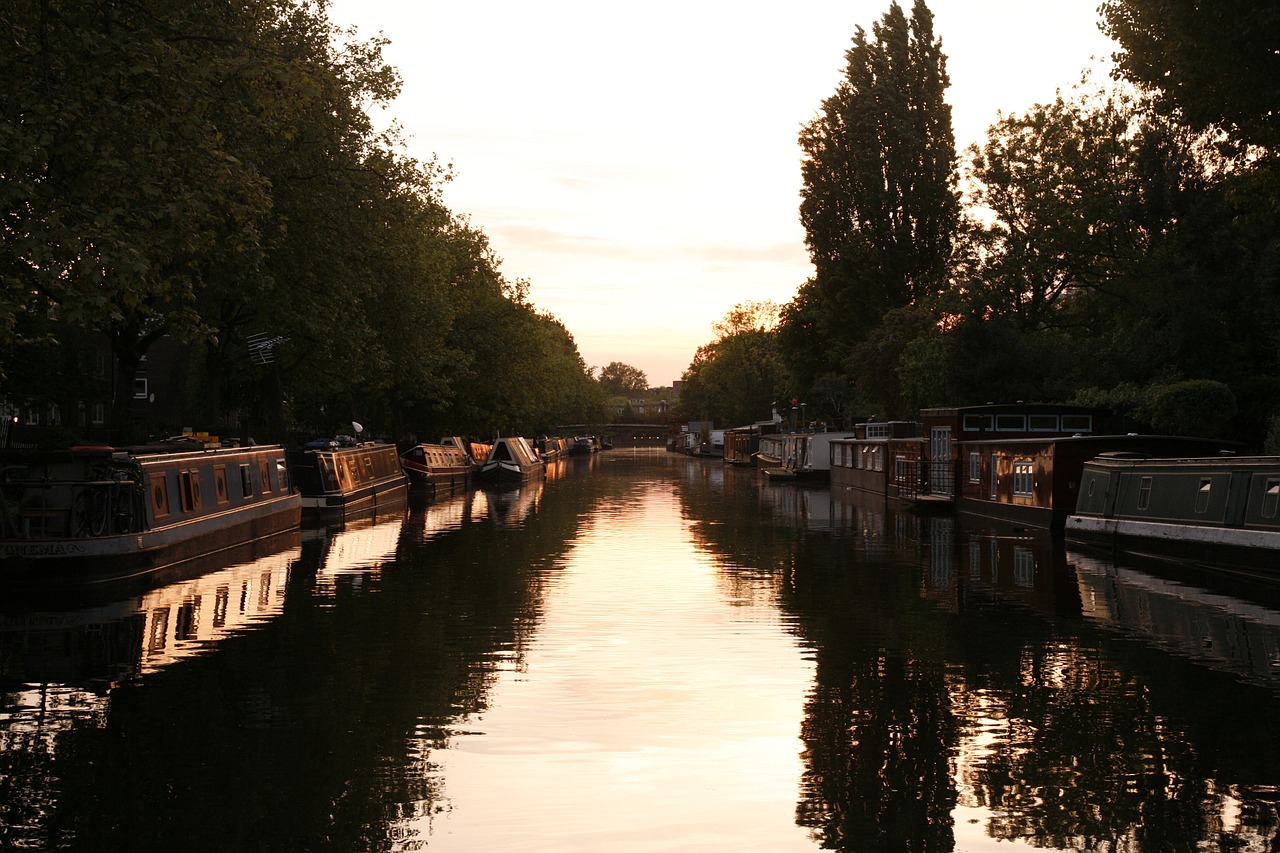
[[220, 484], [1202, 496], [1043, 423], [159, 495], [189, 490], [975, 466], [282, 475], [246, 481], [995, 478], [1011, 423], [1271, 499], [1077, 423], [1144, 493], [1023, 478], [264, 473]]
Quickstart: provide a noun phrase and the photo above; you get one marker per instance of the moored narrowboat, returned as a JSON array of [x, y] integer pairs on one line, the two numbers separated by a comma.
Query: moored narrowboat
[[512, 461], [121, 512], [344, 478], [1217, 512], [436, 465]]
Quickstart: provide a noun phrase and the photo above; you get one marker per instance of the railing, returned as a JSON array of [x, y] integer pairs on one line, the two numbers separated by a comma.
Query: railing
[[59, 509]]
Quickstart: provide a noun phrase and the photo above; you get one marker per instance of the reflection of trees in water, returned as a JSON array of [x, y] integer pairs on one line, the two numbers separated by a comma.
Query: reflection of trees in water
[[956, 678], [315, 731]]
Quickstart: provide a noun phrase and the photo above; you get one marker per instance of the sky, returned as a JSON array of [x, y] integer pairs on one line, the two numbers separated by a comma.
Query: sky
[[638, 165]]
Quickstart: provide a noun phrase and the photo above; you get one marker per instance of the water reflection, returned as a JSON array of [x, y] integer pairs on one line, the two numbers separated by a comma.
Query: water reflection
[[650, 652]]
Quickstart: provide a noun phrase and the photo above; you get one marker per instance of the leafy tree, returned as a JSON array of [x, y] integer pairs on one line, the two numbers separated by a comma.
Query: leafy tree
[[622, 380], [736, 378], [1212, 64], [879, 202]]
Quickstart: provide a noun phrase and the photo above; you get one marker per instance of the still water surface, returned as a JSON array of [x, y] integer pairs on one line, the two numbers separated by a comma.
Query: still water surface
[[646, 653]]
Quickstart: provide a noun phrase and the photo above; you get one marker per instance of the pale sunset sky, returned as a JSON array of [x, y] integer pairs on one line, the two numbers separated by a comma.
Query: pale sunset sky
[[639, 166]]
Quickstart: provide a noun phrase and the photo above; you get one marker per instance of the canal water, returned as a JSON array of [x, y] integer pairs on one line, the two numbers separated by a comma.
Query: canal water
[[646, 652]]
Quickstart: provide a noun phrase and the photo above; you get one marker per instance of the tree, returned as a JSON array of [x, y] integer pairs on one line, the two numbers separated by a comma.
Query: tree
[[622, 380], [736, 378], [1213, 64], [879, 202]]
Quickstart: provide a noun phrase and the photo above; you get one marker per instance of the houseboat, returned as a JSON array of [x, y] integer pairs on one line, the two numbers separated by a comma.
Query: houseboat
[[944, 427], [1219, 512], [806, 456], [882, 459], [770, 454], [436, 465], [511, 462], [121, 512], [344, 478], [1034, 482]]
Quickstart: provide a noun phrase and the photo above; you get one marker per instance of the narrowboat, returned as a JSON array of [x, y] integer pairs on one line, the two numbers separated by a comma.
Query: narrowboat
[[344, 478], [122, 512], [1034, 482], [1219, 512], [436, 465], [584, 444], [512, 461], [550, 449], [806, 456], [477, 452]]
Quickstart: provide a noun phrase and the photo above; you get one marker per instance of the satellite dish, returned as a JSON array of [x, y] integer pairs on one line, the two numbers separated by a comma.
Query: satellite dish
[[359, 428]]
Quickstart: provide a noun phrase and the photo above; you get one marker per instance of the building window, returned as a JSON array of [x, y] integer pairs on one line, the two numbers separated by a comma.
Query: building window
[[1271, 499], [978, 423], [1023, 478], [975, 466], [1077, 423], [1011, 423], [1043, 423], [99, 414], [1202, 494], [140, 388], [1144, 493]]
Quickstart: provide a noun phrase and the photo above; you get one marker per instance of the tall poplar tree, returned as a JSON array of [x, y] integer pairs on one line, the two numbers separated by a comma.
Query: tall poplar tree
[[879, 200]]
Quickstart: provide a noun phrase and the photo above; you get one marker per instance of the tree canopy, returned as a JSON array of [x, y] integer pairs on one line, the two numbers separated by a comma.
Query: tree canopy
[[208, 175]]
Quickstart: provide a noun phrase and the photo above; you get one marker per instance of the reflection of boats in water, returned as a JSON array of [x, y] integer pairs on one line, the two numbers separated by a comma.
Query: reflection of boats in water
[[1226, 632], [62, 663], [803, 506], [512, 507], [444, 515], [356, 549]]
